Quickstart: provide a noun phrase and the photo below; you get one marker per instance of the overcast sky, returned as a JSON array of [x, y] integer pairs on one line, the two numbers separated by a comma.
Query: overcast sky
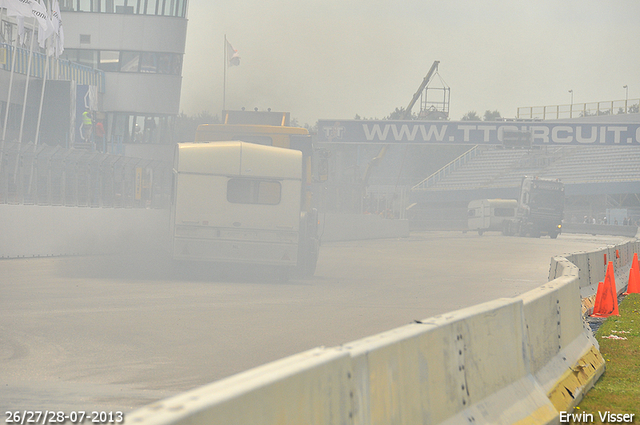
[[333, 59]]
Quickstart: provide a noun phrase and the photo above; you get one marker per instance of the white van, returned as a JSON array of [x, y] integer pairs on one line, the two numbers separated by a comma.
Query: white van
[[241, 203], [488, 214]]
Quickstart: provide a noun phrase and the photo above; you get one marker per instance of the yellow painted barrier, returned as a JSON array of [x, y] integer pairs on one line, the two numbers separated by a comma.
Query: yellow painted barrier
[[564, 355]]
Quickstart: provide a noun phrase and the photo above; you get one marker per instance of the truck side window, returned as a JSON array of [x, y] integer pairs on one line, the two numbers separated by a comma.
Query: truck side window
[[504, 212], [250, 191]]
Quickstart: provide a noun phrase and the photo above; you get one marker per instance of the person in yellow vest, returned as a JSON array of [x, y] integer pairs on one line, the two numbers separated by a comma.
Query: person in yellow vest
[[87, 125]]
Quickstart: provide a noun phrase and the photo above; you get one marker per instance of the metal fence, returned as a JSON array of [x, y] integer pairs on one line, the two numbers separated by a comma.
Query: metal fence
[[443, 172], [52, 175], [555, 112], [386, 201]]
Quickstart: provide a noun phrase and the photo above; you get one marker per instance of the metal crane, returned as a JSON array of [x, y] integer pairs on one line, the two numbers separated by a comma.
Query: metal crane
[[434, 69]]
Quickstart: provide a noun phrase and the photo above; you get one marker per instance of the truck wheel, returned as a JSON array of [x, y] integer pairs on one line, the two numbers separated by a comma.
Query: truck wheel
[[480, 232], [521, 231], [284, 273], [554, 235], [308, 247], [313, 250]]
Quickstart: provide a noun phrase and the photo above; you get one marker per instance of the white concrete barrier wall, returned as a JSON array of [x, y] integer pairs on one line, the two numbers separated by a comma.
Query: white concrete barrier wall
[[312, 387], [520, 360], [468, 366], [559, 340]]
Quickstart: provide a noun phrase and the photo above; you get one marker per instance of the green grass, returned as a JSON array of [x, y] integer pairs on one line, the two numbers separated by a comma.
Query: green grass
[[618, 390]]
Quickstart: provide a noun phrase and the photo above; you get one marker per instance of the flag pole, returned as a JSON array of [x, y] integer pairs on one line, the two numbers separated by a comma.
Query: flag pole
[[44, 81], [6, 112], [224, 84], [44, 84], [26, 92], [26, 88]]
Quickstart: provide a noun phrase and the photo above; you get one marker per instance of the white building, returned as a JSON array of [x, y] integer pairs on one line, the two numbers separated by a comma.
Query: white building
[[139, 44]]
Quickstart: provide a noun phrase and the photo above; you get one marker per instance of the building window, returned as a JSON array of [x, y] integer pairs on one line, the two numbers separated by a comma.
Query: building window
[[129, 61], [88, 58], [176, 8], [136, 128], [109, 60], [149, 62], [84, 5]]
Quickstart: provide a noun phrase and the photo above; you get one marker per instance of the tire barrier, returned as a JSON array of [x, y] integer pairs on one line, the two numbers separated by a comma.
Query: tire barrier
[[519, 360]]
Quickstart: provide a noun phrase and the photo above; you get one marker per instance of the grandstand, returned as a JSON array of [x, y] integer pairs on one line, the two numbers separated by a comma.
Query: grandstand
[[492, 167], [596, 178]]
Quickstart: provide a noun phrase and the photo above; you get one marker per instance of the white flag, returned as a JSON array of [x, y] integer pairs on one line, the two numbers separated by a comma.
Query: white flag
[[60, 43], [44, 22], [21, 32], [56, 19], [57, 23], [233, 59], [19, 8]]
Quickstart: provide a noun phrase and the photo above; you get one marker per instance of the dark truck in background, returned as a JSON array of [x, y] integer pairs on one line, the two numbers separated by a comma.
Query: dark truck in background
[[540, 209]]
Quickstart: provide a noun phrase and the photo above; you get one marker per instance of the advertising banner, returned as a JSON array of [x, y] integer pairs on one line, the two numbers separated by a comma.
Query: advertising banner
[[478, 132]]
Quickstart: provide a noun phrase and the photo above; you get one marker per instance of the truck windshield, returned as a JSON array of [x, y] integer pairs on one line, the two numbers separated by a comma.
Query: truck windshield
[[543, 198]]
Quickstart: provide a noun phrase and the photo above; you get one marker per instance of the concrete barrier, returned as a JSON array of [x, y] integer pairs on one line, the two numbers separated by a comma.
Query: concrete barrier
[[522, 360], [600, 229], [312, 387], [468, 366], [564, 355]]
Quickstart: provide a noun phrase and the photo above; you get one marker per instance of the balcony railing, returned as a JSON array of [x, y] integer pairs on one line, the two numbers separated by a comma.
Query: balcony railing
[[59, 69]]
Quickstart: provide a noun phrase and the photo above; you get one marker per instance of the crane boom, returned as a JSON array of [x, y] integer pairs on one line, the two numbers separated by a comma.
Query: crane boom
[[407, 111]]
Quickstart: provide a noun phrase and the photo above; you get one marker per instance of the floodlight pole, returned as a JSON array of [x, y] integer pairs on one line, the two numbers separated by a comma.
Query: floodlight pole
[[224, 84], [571, 106]]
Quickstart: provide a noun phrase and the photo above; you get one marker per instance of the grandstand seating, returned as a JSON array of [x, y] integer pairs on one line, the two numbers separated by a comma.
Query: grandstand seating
[[597, 164], [494, 167]]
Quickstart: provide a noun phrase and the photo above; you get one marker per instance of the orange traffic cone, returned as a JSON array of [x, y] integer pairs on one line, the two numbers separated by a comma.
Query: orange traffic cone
[[597, 305], [607, 297], [633, 287], [612, 285]]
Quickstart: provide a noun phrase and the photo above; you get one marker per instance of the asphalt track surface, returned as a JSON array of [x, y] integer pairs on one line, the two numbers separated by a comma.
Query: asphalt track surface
[[118, 332]]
